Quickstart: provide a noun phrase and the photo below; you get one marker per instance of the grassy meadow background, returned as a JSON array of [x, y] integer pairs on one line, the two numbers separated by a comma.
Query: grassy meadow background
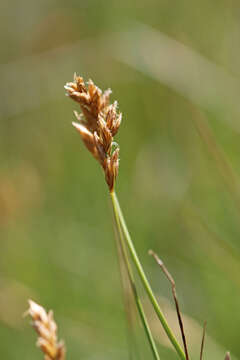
[[174, 68]]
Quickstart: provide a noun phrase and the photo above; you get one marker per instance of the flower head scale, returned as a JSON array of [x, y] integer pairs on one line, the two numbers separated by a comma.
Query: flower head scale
[[97, 124]]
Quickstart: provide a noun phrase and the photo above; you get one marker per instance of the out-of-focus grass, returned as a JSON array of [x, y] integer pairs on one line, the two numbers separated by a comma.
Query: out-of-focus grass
[[179, 171]]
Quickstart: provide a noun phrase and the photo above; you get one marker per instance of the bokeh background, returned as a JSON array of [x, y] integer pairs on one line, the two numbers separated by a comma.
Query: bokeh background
[[174, 68]]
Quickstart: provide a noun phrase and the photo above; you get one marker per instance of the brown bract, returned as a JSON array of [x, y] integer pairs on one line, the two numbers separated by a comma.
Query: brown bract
[[46, 329], [97, 124]]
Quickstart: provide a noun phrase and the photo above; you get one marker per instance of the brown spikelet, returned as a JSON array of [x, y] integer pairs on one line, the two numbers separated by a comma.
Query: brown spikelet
[[88, 138], [115, 162], [102, 156], [106, 99], [98, 124], [105, 135], [46, 329], [113, 119]]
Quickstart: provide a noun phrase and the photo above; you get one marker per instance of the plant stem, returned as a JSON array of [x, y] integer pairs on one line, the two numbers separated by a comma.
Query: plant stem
[[127, 298], [132, 283], [144, 278]]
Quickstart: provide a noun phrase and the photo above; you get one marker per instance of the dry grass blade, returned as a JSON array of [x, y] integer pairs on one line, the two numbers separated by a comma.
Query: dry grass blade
[[203, 340], [46, 329], [171, 280], [98, 124]]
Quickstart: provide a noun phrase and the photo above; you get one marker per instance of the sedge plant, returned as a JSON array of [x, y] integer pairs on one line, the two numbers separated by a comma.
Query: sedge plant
[[97, 124]]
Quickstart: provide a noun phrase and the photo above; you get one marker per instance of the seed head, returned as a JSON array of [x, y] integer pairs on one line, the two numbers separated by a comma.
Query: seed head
[[46, 329], [97, 124]]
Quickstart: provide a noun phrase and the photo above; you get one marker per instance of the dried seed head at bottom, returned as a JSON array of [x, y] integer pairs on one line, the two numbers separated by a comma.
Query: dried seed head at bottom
[[46, 329]]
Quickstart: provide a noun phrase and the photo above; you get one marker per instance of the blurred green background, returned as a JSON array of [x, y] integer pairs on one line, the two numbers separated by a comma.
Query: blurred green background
[[174, 68]]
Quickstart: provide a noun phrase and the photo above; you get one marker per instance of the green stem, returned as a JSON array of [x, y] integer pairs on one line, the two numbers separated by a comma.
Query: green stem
[[144, 278], [132, 283], [126, 286]]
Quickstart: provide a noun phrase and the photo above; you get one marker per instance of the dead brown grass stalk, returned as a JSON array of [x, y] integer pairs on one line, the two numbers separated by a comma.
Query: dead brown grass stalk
[[172, 282], [203, 340]]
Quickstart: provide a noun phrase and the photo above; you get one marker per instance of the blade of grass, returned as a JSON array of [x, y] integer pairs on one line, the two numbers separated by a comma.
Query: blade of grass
[[220, 159], [132, 283], [143, 277]]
